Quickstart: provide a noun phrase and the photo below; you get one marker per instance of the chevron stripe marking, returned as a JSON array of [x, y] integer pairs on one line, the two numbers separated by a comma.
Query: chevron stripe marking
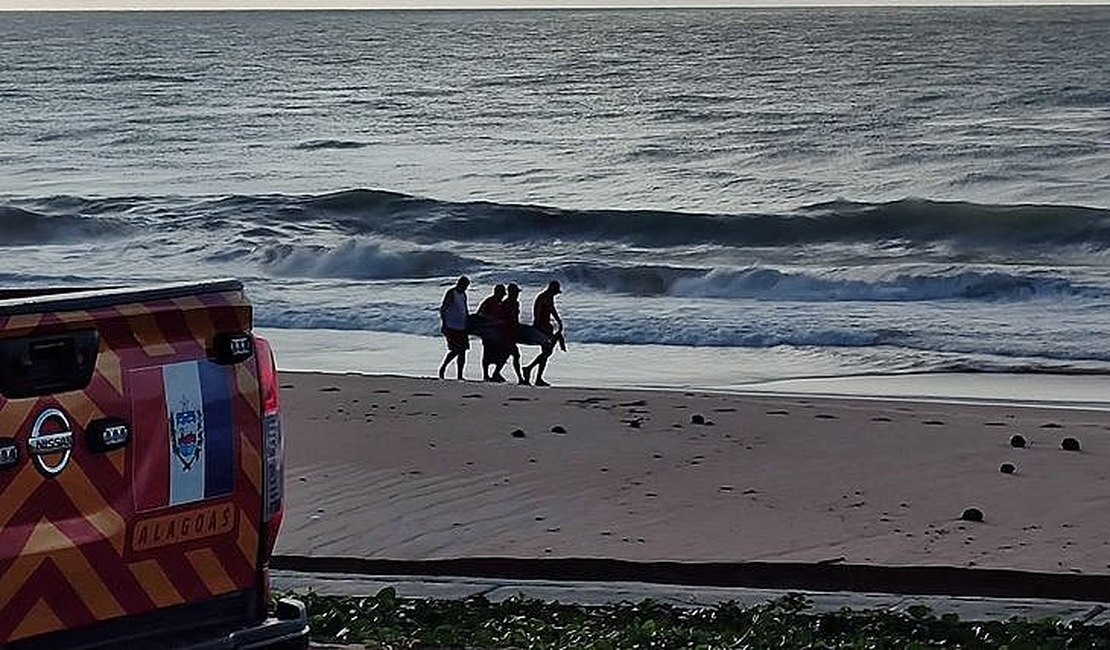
[[22, 324], [72, 317], [108, 365], [197, 318], [248, 539], [156, 583], [18, 491], [88, 500], [146, 330], [211, 571], [251, 462], [248, 387], [78, 572], [40, 620]]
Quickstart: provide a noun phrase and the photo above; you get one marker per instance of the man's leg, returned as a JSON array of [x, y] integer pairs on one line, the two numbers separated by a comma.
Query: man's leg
[[515, 353], [446, 360], [460, 362], [541, 363]]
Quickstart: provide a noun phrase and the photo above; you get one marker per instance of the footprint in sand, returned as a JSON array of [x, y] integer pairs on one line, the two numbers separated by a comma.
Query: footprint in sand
[[382, 390], [1051, 425], [933, 423], [826, 416], [287, 386], [724, 409], [778, 412], [422, 395], [994, 424], [473, 396], [330, 389], [881, 418], [638, 402]]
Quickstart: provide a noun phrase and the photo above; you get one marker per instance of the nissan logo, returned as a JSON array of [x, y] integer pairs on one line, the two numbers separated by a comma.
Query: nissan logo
[[51, 441]]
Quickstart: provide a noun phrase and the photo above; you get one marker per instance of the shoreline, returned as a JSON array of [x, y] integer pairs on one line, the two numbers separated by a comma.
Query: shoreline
[[674, 368]]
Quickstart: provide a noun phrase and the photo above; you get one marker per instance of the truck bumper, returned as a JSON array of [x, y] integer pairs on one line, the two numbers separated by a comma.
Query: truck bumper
[[287, 629]]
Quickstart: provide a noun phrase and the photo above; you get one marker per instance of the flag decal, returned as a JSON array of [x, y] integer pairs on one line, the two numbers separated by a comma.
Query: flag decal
[[184, 433]]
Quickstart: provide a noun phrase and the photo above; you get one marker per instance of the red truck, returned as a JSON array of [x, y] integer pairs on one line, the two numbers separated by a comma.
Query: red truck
[[140, 471]]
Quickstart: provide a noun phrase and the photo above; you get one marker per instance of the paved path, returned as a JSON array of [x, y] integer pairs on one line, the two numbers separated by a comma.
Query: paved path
[[597, 593]]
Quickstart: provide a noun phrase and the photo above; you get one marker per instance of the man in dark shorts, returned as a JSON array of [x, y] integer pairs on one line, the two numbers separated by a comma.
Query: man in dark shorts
[[453, 312], [545, 318]]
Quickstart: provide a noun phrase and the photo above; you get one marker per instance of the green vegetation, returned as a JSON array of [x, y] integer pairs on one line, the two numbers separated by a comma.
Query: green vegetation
[[389, 621]]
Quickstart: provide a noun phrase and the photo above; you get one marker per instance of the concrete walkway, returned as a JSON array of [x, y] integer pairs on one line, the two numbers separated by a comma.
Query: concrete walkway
[[599, 593]]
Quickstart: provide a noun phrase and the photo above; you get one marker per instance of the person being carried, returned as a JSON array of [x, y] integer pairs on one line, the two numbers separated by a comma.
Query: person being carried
[[491, 333], [545, 318], [453, 312], [510, 333]]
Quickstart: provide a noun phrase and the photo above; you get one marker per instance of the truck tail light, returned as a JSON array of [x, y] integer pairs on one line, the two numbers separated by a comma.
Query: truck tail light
[[273, 463]]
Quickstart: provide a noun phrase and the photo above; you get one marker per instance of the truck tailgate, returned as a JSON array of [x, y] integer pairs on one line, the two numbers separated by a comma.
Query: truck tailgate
[[135, 479]]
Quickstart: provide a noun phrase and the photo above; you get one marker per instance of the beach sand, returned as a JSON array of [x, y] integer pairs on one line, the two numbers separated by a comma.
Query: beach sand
[[404, 468]]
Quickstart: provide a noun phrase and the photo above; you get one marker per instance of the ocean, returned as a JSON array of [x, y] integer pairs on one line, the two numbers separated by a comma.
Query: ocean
[[798, 192]]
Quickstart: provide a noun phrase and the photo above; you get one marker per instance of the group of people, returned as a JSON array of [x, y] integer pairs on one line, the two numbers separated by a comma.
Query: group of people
[[497, 324]]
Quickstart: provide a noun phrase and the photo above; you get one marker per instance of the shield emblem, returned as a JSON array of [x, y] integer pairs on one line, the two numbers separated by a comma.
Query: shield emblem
[[187, 434]]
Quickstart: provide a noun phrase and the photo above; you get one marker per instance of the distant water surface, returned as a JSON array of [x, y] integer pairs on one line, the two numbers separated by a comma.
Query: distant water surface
[[883, 189]]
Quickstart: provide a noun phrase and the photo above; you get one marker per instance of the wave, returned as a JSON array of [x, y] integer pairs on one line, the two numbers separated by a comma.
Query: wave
[[766, 283], [20, 227], [912, 221], [363, 260], [908, 222]]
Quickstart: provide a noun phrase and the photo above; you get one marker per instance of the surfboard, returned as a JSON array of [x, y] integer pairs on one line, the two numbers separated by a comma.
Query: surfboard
[[529, 335], [482, 327]]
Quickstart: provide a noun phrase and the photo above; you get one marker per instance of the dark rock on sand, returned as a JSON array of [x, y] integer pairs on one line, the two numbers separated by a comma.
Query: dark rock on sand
[[518, 433], [972, 514], [1017, 440], [1007, 468], [1069, 444], [697, 418], [558, 428]]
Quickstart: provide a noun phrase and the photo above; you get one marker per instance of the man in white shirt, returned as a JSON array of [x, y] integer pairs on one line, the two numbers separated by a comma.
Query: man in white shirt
[[452, 314]]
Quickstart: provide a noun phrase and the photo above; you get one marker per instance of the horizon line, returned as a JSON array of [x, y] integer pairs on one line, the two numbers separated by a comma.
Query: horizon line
[[815, 4]]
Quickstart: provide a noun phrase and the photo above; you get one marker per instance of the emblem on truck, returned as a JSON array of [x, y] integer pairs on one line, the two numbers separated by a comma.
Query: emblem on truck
[[187, 433], [51, 441]]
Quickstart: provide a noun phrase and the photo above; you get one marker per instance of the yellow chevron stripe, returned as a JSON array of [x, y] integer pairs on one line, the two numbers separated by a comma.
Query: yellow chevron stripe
[[248, 386], [79, 406], [146, 330], [251, 463], [156, 583], [40, 620], [15, 577], [208, 566], [48, 543], [92, 505], [22, 324], [197, 318], [18, 491], [80, 574], [248, 539], [74, 317], [109, 367]]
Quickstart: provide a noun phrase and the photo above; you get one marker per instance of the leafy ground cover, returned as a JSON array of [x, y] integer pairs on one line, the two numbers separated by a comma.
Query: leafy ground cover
[[389, 621]]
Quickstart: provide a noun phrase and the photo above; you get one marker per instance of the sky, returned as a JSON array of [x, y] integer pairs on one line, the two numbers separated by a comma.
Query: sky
[[467, 4]]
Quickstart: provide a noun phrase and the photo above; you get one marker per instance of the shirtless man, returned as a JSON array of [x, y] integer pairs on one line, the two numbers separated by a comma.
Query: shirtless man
[[543, 313]]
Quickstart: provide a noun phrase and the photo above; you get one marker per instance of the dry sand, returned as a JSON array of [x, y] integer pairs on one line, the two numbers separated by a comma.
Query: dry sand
[[410, 469]]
